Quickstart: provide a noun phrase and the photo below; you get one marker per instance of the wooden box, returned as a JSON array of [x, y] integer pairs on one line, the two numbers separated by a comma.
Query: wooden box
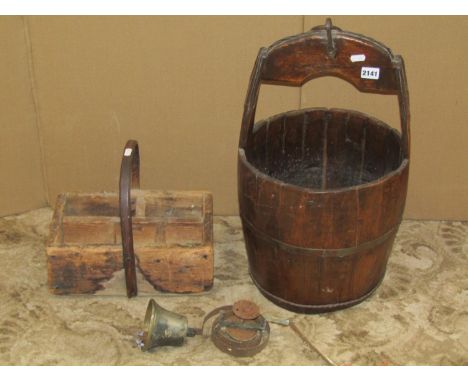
[[172, 235]]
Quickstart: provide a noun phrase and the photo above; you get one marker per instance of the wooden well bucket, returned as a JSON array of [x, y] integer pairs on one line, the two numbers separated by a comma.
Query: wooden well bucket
[[322, 191]]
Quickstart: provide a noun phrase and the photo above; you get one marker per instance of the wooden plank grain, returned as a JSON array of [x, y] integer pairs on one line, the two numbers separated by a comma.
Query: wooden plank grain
[[172, 232]]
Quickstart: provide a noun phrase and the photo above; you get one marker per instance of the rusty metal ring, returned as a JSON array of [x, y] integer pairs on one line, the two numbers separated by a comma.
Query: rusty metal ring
[[247, 348]]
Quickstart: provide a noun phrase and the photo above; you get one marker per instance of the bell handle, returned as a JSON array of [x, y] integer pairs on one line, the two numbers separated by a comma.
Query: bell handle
[[129, 179], [214, 312]]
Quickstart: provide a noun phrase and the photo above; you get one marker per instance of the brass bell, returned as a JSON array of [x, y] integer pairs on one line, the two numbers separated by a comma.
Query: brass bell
[[164, 328]]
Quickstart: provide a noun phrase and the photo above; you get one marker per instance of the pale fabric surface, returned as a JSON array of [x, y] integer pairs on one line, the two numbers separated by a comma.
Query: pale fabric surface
[[419, 315]]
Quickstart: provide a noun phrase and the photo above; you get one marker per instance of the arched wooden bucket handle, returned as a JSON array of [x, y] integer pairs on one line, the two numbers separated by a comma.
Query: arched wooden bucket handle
[[328, 51], [129, 179]]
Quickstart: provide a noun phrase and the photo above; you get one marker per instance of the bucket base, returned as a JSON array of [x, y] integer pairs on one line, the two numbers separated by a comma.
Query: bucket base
[[310, 309]]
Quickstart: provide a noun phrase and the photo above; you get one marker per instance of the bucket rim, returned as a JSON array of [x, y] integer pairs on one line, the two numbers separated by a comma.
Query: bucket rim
[[403, 165]]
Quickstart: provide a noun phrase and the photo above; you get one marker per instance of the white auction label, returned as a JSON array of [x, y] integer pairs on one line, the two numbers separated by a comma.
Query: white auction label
[[370, 73], [127, 152], [358, 58]]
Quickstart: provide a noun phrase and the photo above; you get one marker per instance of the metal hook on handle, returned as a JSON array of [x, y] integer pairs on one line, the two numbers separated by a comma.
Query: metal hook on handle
[[331, 48]]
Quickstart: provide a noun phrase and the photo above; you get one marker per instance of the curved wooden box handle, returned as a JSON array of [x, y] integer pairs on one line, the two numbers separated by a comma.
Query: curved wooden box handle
[[328, 51], [129, 179]]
